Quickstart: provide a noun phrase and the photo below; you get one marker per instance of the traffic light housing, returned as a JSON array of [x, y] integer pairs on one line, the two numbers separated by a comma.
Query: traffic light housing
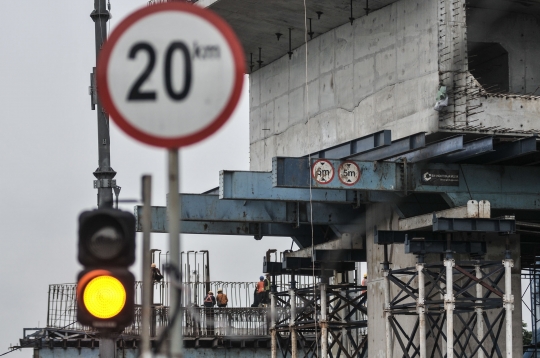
[[106, 288]]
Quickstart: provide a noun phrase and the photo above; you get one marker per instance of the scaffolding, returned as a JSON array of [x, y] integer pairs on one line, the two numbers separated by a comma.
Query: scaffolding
[[320, 321]]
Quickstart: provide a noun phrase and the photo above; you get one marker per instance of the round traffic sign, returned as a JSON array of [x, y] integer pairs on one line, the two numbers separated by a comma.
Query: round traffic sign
[[349, 173], [322, 171], [171, 74]]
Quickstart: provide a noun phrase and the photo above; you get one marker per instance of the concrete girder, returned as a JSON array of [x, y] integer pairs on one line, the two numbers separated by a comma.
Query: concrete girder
[[346, 242], [473, 209]]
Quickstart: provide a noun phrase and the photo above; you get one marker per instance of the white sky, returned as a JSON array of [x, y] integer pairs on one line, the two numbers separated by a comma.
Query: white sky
[[48, 143]]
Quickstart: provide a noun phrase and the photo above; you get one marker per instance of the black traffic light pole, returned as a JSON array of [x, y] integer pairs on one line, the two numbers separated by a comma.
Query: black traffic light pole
[[104, 173]]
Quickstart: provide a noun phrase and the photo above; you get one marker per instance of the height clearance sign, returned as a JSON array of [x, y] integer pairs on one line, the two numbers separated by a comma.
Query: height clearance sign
[[171, 74]]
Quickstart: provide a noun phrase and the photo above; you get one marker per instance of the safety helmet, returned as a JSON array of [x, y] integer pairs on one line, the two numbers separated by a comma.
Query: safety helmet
[[365, 275], [153, 265], [261, 278], [220, 290]]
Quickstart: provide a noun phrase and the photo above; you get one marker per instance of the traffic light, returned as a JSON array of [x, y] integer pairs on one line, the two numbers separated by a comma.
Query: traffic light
[[106, 288]]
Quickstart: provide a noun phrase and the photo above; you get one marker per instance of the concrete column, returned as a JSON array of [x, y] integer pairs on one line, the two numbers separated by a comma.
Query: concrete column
[[508, 300], [324, 323], [449, 301], [479, 311], [420, 308], [292, 323]]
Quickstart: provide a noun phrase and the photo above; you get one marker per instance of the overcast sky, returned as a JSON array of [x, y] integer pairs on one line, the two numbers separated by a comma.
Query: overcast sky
[[48, 143]]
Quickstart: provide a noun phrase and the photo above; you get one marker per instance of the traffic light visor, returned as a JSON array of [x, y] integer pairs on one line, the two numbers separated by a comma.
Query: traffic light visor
[[104, 296]]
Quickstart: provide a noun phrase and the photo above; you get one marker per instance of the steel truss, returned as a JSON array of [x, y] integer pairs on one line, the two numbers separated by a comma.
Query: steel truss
[[477, 306], [320, 321]]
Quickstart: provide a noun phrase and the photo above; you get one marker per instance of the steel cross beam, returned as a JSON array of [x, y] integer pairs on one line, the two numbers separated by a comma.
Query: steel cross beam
[[399, 146], [364, 144], [209, 209], [505, 187], [258, 186]]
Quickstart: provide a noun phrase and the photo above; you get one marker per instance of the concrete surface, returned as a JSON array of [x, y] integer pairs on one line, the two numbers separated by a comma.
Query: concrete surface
[[380, 73]]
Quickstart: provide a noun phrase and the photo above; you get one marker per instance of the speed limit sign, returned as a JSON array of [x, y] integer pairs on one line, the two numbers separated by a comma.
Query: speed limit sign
[[171, 74]]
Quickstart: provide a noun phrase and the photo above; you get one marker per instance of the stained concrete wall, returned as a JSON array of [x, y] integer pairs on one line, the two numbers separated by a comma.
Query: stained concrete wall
[[379, 73], [518, 34]]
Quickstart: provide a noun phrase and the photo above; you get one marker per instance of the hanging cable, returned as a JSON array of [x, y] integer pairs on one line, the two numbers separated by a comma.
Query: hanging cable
[[306, 112]]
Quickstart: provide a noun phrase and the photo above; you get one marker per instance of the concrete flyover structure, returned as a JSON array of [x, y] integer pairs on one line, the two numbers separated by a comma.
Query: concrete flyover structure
[[402, 134], [370, 66]]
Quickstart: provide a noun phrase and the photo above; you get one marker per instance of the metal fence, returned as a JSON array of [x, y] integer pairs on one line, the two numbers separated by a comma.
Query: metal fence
[[238, 316], [201, 322]]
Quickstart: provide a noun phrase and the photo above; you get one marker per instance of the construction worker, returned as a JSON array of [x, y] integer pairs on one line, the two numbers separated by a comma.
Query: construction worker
[[267, 289], [364, 282], [260, 290], [156, 274], [221, 298]]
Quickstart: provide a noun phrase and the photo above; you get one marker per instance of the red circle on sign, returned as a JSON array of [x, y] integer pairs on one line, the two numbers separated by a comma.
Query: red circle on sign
[[357, 178], [221, 118], [315, 176]]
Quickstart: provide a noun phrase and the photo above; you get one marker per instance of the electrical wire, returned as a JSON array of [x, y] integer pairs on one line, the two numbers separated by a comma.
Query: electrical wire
[[306, 112]]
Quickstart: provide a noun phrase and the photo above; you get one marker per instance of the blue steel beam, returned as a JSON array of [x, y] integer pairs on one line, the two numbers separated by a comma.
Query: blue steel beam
[[432, 150], [470, 149], [208, 208], [399, 146], [505, 187], [369, 142], [507, 151], [258, 186], [258, 230]]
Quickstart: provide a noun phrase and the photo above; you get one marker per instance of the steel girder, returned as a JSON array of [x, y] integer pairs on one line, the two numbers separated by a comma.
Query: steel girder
[[399, 146], [208, 208], [364, 144], [503, 186], [258, 186]]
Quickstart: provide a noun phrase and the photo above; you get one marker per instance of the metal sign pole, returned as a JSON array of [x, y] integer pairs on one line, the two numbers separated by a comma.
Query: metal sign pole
[[146, 272], [176, 340]]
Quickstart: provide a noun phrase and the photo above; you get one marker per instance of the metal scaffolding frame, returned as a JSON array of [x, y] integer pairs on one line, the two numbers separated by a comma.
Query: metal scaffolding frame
[[320, 321]]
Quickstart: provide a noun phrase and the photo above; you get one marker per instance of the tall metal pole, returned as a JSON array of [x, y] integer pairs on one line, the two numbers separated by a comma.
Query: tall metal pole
[[479, 311], [292, 324], [449, 302], [387, 311], [324, 323], [174, 246], [273, 333], [104, 173], [508, 300], [421, 308], [147, 275]]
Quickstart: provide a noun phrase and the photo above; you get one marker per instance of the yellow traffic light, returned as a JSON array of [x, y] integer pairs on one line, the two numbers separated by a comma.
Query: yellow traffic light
[[104, 296], [106, 288]]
